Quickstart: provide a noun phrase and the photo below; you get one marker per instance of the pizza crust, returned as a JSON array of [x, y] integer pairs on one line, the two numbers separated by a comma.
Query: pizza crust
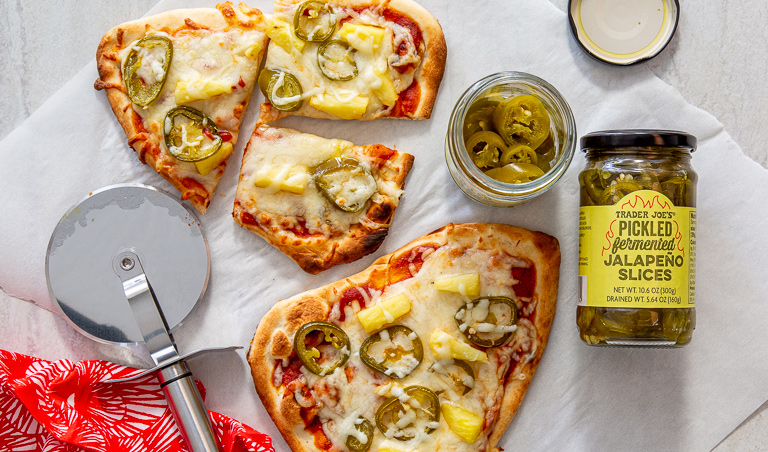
[[282, 321], [143, 141], [317, 252], [428, 75]]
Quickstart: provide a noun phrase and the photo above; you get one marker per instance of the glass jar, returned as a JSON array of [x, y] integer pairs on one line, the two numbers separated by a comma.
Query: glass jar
[[637, 239], [562, 137]]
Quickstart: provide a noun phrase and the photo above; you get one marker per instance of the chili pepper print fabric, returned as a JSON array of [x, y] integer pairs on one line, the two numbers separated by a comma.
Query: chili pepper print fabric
[[64, 406]]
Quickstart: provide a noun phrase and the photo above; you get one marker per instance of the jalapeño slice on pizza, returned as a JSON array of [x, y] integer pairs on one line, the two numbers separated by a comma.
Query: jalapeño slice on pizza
[[431, 348], [179, 84], [352, 59]]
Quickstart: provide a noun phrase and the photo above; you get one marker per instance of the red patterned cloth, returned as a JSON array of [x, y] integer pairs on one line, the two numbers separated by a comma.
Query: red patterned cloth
[[61, 407]]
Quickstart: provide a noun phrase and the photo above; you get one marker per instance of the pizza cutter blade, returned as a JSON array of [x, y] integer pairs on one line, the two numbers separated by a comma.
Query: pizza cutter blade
[[127, 265]]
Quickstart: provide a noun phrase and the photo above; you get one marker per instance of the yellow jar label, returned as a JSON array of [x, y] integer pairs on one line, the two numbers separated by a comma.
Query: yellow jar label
[[637, 253]]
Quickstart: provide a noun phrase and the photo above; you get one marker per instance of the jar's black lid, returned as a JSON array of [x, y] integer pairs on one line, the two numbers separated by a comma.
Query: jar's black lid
[[637, 138]]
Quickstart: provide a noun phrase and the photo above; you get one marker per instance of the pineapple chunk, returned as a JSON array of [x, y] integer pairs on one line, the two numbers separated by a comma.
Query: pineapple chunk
[[365, 38], [382, 86], [353, 108], [383, 312], [391, 446], [296, 180], [288, 178], [265, 176], [444, 347], [190, 90], [341, 147], [279, 31], [467, 284], [207, 165], [253, 51], [464, 423]]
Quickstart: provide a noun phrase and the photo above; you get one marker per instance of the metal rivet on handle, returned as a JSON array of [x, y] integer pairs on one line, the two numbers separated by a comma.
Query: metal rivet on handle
[[126, 263]]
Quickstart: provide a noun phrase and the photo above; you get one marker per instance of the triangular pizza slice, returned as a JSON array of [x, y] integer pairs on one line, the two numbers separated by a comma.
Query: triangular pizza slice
[[320, 201], [431, 348], [179, 83], [352, 59]]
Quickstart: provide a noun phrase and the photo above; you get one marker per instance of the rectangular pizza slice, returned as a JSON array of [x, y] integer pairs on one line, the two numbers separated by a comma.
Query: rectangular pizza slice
[[352, 59], [322, 202], [179, 83], [431, 348]]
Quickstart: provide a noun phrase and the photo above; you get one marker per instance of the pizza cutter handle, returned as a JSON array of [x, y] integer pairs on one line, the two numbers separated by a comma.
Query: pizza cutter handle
[[187, 407]]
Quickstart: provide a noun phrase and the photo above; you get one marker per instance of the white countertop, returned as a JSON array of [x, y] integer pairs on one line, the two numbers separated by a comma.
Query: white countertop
[[717, 60]]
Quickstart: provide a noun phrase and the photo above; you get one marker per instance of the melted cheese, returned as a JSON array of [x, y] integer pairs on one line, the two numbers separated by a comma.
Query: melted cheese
[[283, 149], [152, 60], [434, 311]]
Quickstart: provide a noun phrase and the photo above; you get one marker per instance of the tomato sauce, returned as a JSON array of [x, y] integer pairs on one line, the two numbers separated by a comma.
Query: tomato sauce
[[408, 100], [406, 22], [300, 230], [526, 281], [350, 295], [292, 372], [247, 218], [316, 429], [406, 265]]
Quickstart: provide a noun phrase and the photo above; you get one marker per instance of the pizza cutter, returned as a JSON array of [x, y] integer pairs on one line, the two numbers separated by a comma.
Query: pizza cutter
[[127, 265]]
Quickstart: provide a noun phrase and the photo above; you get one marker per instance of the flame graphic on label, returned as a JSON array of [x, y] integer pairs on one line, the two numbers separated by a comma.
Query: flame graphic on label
[[646, 204], [608, 238], [641, 202], [679, 237]]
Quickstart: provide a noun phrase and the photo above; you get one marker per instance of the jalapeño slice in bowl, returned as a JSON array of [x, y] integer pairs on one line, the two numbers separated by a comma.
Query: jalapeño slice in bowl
[[321, 346], [395, 351], [488, 321], [190, 135], [459, 372], [480, 115], [145, 69], [519, 153], [486, 148], [360, 441], [515, 173], [522, 120], [282, 89], [335, 60], [418, 404], [345, 182], [314, 21]]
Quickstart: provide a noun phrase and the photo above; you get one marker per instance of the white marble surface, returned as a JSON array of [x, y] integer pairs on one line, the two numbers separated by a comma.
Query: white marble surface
[[717, 60]]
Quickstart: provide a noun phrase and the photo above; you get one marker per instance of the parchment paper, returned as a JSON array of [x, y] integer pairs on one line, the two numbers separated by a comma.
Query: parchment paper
[[582, 398]]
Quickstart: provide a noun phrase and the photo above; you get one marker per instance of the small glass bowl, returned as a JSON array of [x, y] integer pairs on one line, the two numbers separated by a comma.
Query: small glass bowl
[[471, 179]]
